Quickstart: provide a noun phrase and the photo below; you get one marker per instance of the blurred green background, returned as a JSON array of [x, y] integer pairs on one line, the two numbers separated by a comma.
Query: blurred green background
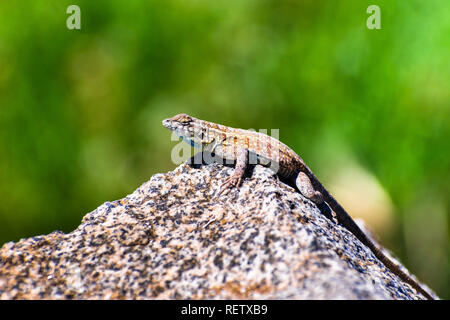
[[81, 110]]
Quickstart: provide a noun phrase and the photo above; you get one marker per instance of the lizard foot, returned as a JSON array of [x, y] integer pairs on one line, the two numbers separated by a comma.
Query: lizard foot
[[230, 182]]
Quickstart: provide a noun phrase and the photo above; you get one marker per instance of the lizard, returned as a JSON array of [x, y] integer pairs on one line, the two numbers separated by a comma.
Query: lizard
[[245, 147]]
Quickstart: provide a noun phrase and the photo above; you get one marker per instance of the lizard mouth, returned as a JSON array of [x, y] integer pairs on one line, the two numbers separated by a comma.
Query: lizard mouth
[[168, 124], [181, 132]]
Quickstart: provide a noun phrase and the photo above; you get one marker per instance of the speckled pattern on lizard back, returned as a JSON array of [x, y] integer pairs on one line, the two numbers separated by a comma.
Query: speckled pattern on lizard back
[[226, 142]]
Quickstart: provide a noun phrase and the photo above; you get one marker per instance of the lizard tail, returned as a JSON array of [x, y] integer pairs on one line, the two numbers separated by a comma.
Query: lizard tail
[[344, 218], [402, 275]]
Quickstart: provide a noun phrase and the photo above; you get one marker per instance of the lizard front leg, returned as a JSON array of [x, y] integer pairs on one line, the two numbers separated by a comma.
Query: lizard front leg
[[241, 165], [306, 188]]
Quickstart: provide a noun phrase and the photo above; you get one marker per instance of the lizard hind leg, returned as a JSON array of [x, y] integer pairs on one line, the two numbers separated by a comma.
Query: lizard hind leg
[[306, 188]]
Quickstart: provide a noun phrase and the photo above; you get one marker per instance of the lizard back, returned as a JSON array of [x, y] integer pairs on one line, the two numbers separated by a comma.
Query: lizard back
[[266, 149]]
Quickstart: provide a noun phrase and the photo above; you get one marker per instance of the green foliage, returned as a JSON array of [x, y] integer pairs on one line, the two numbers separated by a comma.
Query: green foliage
[[81, 110]]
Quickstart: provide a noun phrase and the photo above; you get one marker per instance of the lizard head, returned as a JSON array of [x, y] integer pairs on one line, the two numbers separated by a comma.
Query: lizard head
[[180, 121], [188, 128]]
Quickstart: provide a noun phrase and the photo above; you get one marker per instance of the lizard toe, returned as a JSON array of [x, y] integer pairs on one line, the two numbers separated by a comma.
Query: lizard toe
[[229, 183]]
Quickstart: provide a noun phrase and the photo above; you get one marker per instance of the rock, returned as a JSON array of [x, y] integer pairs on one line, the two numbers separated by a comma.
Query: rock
[[174, 239]]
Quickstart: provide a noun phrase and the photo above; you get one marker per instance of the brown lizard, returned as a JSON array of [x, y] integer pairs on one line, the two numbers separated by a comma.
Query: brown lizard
[[249, 147]]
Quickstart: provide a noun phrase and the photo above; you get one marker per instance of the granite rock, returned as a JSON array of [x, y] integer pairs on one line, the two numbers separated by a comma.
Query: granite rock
[[174, 238]]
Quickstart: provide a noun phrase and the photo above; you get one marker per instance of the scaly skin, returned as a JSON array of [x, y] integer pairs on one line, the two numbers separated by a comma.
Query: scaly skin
[[250, 147]]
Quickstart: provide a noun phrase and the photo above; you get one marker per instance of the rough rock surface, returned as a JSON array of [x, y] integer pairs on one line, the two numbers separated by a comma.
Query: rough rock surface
[[173, 238]]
